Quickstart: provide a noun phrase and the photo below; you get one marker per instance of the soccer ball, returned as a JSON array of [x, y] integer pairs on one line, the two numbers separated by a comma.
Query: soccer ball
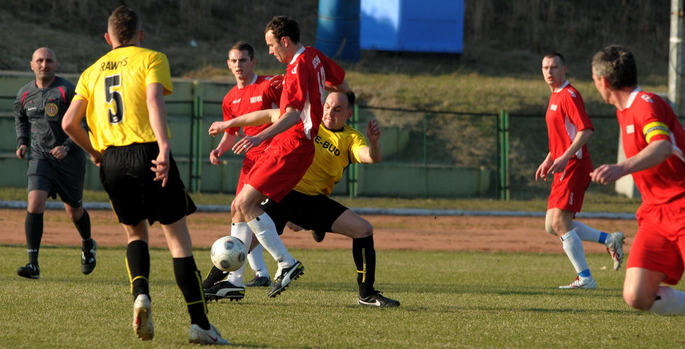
[[228, 253]]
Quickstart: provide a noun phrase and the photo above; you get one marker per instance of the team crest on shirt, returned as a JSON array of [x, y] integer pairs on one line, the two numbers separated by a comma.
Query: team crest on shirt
[[630, 129], [647, 99], [51, 109], [553, 107]]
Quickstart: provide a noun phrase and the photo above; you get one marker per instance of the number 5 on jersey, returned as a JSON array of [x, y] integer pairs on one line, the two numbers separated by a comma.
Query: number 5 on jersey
[[113, 97]]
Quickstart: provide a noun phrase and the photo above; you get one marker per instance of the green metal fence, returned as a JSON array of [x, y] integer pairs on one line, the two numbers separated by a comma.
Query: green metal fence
[[425, 153]]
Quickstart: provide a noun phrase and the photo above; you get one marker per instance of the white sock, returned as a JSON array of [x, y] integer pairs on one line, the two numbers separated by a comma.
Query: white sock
[[237, 277], [585, 232], [669, 302], [574, 250], [265, 230], [256, 260], [241, 231]]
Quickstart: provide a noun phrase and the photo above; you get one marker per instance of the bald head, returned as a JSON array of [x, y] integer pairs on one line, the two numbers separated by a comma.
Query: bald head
[[44, 65]]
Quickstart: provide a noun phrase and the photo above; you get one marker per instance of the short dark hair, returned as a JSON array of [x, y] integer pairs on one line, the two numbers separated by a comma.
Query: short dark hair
[[243, 46], [124, 23], [617, 64], [556, 54], [351, 98], [284, 26]]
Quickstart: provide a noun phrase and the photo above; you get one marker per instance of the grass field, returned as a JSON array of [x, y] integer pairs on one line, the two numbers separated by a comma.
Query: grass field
[[596, 202], [449, 300]]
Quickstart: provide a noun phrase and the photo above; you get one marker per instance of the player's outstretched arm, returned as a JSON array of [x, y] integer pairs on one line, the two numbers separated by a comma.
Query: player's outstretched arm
[[652, 155], [286, 121], [255, 118], [338, 88]]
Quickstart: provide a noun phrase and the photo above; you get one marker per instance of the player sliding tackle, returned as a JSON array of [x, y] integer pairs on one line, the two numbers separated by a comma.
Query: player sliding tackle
[[309, 206]]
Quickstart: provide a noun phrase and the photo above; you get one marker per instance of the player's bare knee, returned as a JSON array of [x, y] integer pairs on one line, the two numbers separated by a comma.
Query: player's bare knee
[[238, 208], [353, 226], [367, 229], [74, 213], [550, 230], [638, 301]]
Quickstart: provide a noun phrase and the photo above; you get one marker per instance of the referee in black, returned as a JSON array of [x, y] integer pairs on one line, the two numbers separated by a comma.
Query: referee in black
[[56, 165]]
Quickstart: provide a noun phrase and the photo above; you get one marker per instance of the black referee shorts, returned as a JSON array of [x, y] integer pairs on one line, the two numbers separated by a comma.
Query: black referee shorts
[[126, 176], [311, 212], [59, 177]]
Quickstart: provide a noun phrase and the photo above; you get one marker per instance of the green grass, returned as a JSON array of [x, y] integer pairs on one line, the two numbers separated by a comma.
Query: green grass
[[595, 202], [449, 300]]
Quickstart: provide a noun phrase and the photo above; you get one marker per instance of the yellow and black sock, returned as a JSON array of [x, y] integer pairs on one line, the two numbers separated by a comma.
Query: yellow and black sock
[[138, 265], [364, 255], [189, 281]]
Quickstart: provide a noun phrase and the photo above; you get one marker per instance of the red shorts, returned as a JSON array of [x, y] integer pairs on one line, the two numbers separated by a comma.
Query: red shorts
[[659, 244], [281, 167], [568, 192], [248, 163]]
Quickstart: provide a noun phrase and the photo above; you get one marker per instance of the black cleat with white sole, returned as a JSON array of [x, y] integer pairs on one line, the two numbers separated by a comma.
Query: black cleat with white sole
[[287, 275], [376, 299], [224, 290]]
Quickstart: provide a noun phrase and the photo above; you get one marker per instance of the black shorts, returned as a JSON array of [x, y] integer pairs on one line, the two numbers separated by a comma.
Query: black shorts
[[135, 195], [59, 177], [311, 212]]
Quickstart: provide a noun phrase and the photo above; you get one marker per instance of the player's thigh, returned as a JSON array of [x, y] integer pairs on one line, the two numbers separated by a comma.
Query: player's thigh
[[41, 177], [351, 224]]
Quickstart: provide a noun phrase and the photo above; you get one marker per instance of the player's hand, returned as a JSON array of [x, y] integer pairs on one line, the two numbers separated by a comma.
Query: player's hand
[[59, 152], [558, 166], [373, 131], [214, 156], [216, 128], [245, 144], [541, 172], [95, 158], [21, 151], [606, 174], [161, 168]]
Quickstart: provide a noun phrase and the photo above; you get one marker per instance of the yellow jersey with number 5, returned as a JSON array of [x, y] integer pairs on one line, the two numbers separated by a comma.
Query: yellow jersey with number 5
[[115, 88]]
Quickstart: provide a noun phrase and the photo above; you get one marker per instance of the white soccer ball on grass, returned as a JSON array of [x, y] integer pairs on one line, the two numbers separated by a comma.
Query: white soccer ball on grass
[[228, 253]]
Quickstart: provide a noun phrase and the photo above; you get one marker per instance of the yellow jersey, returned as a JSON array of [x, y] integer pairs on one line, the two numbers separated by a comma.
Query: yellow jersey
[[116, 90], [335, 150]]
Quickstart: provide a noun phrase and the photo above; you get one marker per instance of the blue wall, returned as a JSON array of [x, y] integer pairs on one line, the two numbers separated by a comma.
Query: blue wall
[[412, 25]]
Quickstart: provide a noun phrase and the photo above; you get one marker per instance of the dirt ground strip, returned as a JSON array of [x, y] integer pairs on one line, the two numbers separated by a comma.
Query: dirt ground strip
[[444, 233]]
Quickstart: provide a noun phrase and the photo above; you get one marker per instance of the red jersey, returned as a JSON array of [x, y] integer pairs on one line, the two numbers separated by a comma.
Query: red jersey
[[258, 95], [303, 89], [647, 118], [565, 117]]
